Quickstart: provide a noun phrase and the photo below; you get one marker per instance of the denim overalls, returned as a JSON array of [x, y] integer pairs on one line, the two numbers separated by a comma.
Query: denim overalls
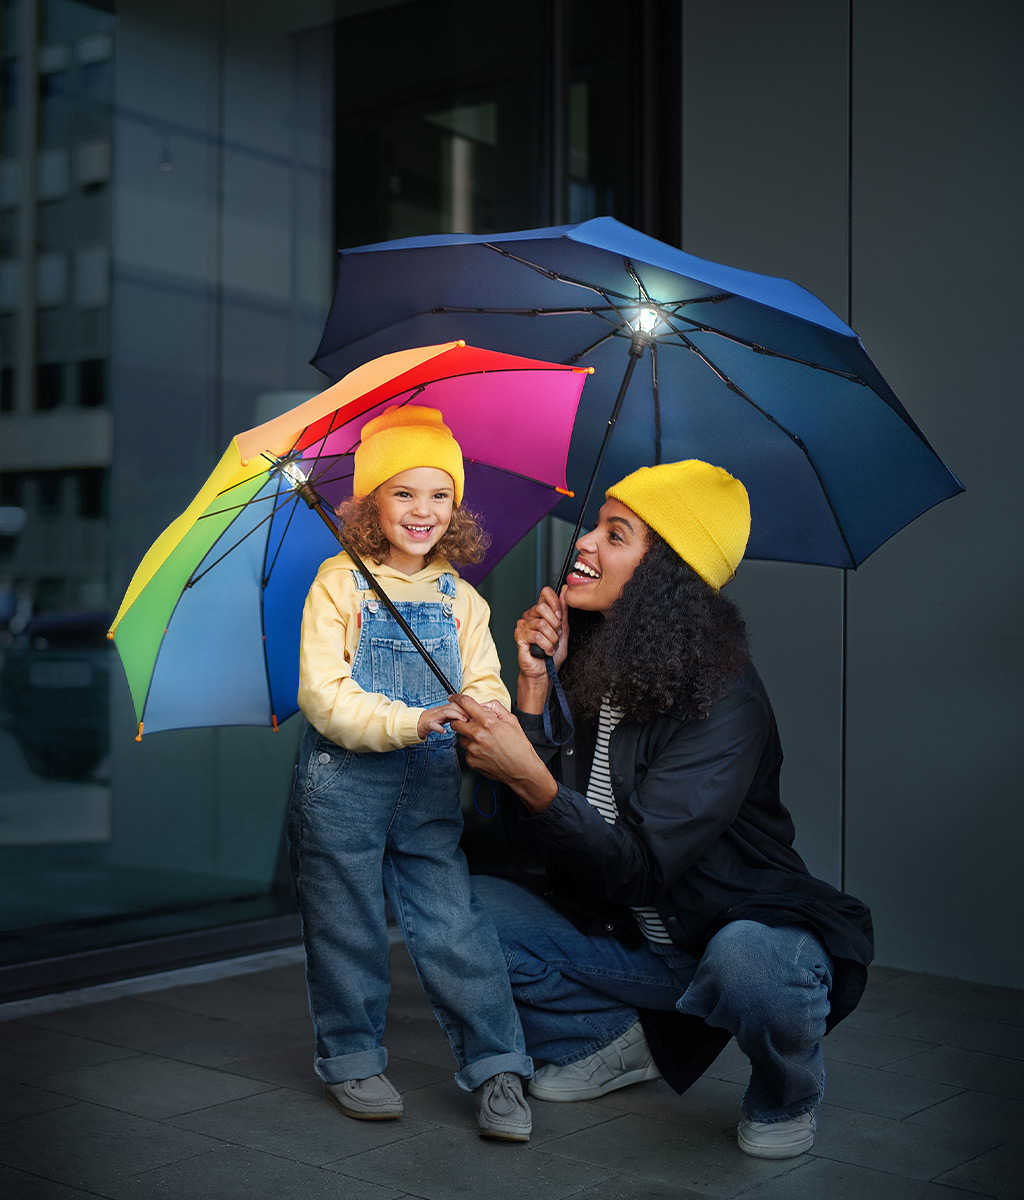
[[362, 824]]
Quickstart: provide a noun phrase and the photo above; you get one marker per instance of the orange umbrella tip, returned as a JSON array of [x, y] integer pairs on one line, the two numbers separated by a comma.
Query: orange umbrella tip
[[110, 635], [565, 492], [273, 720], [461, 342], [138, 736]]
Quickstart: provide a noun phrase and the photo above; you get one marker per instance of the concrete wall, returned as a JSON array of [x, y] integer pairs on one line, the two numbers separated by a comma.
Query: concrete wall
[[910, 229]]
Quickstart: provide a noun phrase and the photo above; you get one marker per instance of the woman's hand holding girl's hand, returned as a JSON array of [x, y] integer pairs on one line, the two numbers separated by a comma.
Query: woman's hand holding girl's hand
[[496, 746], [433, 720]]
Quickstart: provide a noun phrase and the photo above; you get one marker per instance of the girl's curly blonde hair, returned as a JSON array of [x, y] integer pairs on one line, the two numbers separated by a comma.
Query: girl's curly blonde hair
[[464, 541]]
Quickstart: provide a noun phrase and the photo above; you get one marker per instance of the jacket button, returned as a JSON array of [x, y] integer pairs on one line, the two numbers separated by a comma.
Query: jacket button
[[616, 779], [609, 929], [671, 921], [568, 753], [323, 758]]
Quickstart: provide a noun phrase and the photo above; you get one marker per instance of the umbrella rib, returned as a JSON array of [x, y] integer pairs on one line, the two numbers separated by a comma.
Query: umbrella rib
[[645, 295], [590, 287], [269, 570], [574, 358], [194, 579], [527, 312], [794, 438], [757, 348], [549, 274], [657, 402]]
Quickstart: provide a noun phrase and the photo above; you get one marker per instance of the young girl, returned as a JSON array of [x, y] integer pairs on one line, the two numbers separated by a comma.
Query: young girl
[[375, 808]]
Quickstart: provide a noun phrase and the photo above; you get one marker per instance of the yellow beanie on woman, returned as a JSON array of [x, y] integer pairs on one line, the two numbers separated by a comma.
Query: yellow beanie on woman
[[403, 437], [700, 510]]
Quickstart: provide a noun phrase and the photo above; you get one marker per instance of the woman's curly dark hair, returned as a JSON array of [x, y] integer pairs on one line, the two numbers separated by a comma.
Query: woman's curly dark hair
[[669, 643], [464, 541]]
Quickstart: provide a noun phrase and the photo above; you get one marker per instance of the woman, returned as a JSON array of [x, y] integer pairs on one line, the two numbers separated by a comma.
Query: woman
[[674, 912]]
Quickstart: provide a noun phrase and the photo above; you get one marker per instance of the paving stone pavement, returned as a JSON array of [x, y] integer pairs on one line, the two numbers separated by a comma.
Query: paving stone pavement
[[199, 1084]]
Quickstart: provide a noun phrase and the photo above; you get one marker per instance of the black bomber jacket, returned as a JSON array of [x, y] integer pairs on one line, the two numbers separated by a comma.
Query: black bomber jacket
[[702, 835]]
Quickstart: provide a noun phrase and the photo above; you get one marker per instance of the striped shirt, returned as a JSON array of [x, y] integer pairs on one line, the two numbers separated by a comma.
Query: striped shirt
[[599, 794]]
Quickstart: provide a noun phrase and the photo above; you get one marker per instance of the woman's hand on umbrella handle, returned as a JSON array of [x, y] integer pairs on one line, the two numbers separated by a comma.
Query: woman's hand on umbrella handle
[[542, 630], [545, 625], [433, 720]]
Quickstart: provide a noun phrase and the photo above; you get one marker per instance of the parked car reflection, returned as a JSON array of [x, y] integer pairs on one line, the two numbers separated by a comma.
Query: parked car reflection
[[54, 693]]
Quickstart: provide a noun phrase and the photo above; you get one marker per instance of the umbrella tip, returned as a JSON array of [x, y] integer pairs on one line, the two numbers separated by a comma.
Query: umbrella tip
[[461, 342], [565, 492], [110, 635], [138, 736]]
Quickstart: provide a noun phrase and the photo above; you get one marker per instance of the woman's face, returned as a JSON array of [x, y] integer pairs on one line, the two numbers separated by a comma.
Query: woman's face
[[606, 558]]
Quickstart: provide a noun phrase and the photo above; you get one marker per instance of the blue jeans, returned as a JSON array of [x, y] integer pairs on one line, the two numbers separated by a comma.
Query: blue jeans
[[362, 826], [576, 993]]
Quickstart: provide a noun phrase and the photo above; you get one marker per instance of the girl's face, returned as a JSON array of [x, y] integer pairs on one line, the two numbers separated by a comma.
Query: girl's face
[[606, 558], [415, 509]]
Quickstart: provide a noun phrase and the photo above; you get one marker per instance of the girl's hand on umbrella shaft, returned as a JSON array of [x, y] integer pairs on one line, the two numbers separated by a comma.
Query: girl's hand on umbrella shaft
[[433, 720], [546, 625]]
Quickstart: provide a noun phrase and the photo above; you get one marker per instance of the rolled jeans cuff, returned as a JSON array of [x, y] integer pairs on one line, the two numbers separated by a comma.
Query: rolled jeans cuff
[[360, 1065], [474, 1074]]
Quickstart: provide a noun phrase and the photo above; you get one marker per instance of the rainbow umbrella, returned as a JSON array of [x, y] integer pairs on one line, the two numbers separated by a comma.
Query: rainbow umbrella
[[208, 631]]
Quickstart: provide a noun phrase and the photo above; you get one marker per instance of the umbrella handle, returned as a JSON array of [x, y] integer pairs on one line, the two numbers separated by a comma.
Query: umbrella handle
[[312, 499]]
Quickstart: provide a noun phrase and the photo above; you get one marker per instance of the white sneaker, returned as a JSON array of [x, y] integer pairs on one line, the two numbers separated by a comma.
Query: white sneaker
[[777, 1139], [622, 1062]]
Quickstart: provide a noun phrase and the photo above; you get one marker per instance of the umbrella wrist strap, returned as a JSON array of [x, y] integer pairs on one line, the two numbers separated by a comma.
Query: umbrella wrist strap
[[559, 694]]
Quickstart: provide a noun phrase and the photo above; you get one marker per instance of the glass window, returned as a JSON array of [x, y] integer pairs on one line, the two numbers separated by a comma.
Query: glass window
[[53, 225], [90, 498], [92, 382], [49, 385], [6, 389], [9, 107], [50, 492], [448, 135], [8, 233]]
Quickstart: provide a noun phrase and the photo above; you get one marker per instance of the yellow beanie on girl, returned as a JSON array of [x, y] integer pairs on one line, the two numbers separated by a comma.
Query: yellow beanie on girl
[[403, 437], [700, 510]]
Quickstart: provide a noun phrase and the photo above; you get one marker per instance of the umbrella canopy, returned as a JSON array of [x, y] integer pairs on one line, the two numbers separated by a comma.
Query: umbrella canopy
[[208, 631], [750, 372]]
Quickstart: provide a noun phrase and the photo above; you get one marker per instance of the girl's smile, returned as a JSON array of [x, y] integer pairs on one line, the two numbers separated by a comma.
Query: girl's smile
[[414, 509]]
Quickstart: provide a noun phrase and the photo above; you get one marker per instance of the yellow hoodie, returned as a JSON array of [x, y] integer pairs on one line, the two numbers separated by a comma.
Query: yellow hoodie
[[333, 702]]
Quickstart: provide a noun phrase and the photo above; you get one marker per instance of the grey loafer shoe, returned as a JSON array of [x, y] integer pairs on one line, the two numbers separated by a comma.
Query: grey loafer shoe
[[501, 1110], [372, 1099]]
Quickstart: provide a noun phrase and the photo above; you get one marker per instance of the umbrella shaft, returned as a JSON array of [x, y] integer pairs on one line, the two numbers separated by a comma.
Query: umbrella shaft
[[636, 350], [331, 524]]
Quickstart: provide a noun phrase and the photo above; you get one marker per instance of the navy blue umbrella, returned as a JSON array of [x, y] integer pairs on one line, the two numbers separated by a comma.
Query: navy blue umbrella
[[692, 360]]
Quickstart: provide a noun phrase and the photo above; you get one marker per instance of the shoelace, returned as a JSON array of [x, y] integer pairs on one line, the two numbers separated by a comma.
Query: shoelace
[[503, 1089]]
